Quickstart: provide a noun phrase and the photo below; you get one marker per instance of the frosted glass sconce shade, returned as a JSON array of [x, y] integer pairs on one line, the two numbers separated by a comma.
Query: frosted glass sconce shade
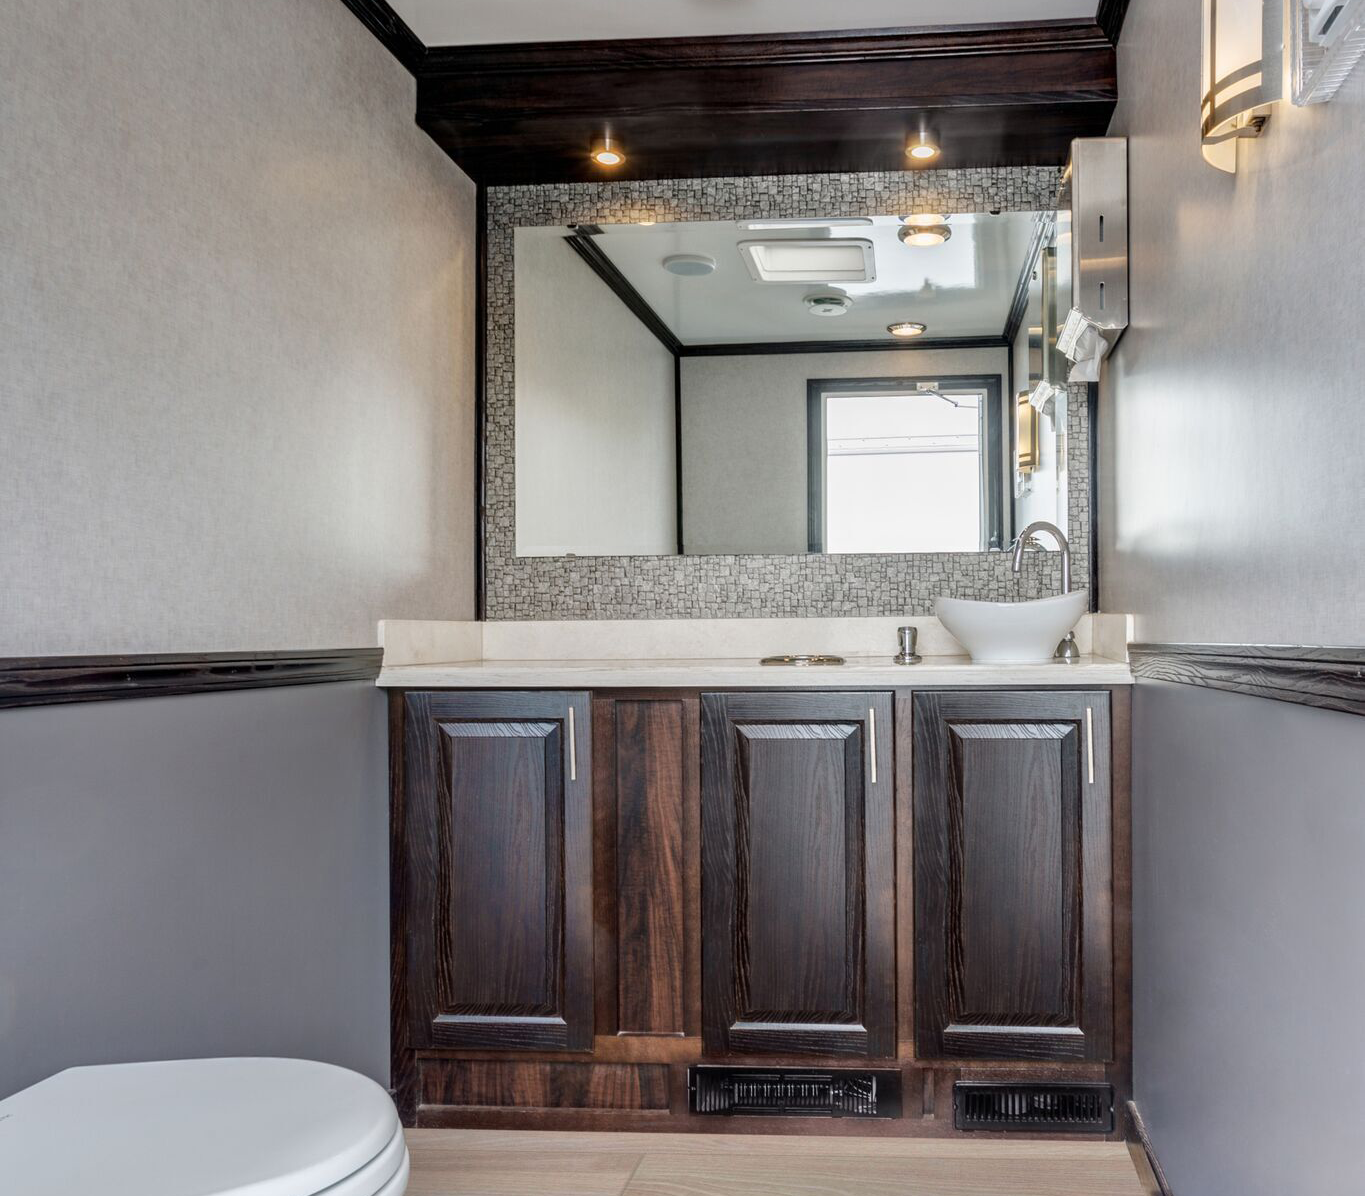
[[1242, 73]]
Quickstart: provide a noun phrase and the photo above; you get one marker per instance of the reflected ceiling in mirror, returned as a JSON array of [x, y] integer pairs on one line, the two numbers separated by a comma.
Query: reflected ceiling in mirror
[[842, 385], [736, 282]]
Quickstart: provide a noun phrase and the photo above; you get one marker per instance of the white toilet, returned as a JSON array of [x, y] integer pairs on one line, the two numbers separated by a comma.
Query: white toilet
[[203, 1127]]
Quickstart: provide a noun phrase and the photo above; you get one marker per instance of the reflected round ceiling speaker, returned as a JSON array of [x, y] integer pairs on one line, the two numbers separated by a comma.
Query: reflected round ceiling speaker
[[689, 265], [828, 305]]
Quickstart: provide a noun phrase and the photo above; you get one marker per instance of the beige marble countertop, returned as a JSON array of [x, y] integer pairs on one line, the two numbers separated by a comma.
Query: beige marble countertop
[[746, 672]]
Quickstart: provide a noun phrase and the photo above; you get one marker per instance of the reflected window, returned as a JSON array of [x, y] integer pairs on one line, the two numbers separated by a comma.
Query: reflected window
[[904, 465]]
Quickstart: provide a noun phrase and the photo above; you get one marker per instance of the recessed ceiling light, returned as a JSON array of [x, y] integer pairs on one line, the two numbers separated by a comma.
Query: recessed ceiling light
[[932, 234], [922, 150], [841, 260], [906, 328], [607, 153], [924, 220], [689, 265]]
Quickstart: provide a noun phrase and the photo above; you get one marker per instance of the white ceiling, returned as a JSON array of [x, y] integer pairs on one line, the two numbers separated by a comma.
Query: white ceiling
[[962, 288], [479, 22]]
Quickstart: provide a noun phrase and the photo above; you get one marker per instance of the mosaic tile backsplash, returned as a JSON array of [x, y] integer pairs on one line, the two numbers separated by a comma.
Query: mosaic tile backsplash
[[653, 587]]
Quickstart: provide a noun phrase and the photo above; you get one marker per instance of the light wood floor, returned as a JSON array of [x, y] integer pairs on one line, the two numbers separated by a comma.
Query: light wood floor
[[516, 1163]]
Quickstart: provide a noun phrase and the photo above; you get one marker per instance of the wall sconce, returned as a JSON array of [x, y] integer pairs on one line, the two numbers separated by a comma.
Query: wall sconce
[[1242, 74], [1025, 434]]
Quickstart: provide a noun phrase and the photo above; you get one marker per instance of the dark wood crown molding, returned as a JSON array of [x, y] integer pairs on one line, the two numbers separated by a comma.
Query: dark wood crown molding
[[49, 680], [999, 95], [1330, 678], [902, 44], [1110, 18], [400, 41], [1006, 94]]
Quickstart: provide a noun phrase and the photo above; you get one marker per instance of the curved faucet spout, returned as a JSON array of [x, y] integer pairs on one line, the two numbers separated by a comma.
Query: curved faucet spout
[[1041, 525]]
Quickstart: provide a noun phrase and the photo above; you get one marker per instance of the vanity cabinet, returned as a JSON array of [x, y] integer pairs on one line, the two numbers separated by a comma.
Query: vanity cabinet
[[798, 874], [1012, 876], [596, 893], [496, 870]]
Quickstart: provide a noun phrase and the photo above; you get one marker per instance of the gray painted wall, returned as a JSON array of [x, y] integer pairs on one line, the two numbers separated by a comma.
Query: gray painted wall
[[194, 876], [1230, 473], [1233, 441], [1249, 912], [236, 332]]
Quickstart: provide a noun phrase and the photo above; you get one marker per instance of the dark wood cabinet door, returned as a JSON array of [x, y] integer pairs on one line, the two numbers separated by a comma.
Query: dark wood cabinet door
[[647, 757], [798, 889], [1012, 865], [498, 844]]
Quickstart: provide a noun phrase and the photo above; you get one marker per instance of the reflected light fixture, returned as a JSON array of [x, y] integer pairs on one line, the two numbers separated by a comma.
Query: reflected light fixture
[[607, 152], [906, 329], [922, 150], [1241, 74], [915, 231]]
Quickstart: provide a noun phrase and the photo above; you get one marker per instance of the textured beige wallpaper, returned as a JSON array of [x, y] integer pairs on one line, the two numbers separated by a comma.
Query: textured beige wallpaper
[[236, 332], [1233, 470]]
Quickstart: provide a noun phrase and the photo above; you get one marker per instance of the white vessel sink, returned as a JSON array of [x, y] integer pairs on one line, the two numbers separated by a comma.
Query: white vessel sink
[[1011, 632]]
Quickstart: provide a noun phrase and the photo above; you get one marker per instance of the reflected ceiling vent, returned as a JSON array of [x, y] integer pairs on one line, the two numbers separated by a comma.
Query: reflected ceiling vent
[[848, 260], [828, 305], [689, 265]]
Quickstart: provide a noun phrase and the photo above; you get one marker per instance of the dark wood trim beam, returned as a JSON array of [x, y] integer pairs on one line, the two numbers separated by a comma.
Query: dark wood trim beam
[[1330, 678], [583, 244], [1023, 284], [768, 348], [1002, 95], [400, 41], [907, 43], [1110, 18], [49, 680]]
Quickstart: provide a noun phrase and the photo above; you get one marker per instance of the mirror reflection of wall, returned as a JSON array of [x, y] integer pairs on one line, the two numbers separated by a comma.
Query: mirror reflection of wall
[[1040, 476], [732, 387]]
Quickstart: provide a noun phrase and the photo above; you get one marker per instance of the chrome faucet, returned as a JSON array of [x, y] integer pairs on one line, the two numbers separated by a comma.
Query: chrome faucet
[[1067, 649]]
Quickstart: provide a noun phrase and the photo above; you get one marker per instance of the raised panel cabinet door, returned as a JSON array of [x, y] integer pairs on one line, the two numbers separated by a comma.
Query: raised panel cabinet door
[[498, 843], [798, 888], [1013, 876]]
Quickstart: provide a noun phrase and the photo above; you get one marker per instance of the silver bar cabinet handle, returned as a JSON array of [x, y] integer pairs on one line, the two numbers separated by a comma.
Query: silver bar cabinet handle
[[872, 742], [573, 748], [1090, 743]]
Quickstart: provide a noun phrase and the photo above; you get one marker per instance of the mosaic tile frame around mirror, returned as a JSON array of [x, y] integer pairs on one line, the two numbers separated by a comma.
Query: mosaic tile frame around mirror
[[644, 587]]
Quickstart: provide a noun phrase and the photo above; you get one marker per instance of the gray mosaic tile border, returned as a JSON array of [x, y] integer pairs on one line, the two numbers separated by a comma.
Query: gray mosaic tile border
[[651, 587]]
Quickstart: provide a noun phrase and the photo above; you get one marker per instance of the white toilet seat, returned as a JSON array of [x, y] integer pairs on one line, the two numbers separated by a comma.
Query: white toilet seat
[[376, 1176], [203, 1127]]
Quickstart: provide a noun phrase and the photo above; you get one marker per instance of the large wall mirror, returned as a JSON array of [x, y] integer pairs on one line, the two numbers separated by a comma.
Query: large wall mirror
[[830, 384], [789, 395]]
